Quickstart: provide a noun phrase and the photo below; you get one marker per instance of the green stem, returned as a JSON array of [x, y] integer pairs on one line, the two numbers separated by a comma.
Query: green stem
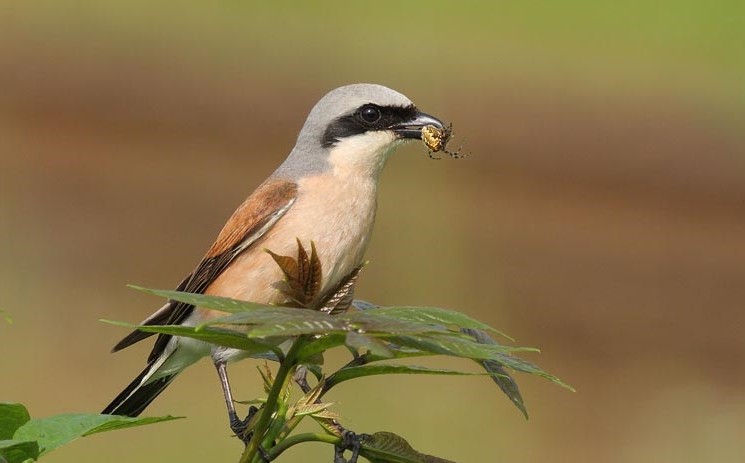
[[271, 402], [290, 424], [300, 438], [276, 426], [331, 380]]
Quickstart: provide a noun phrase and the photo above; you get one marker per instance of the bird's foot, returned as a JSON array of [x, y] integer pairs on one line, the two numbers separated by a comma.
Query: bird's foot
[[349, 441], [301, 379], [240, 427]]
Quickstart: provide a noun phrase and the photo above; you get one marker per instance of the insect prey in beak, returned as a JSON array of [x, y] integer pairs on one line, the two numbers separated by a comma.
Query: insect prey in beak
[[437, 139]]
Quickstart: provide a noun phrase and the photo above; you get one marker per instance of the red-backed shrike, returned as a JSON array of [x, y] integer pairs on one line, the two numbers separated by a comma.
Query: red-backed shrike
[[325, 192]]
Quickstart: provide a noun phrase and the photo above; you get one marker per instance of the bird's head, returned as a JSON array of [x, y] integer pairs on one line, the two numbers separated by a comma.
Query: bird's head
[[353, 129]]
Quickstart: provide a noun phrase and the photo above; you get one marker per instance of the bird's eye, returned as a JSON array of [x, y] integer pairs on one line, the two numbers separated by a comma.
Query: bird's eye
[[370, 114]]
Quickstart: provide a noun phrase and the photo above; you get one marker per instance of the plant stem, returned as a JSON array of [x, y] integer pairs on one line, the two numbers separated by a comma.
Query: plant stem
[[300, 438], [276, 426], [290, 424], [331, 380], [262, 425]]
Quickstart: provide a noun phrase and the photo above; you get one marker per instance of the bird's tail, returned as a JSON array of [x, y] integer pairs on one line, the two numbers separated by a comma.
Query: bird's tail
[[140, 392]]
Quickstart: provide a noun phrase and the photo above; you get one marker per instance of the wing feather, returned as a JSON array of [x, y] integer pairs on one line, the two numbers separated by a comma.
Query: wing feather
[[248, 224]]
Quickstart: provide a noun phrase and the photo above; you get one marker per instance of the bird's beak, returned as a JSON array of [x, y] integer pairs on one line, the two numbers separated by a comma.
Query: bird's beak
[[412, 129]]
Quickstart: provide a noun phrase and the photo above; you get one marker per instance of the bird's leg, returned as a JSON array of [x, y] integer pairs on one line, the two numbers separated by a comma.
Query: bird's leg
[[349, 441], [237, 425]]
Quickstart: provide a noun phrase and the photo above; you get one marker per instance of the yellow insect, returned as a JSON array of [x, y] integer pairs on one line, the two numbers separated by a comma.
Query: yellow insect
[[437, 140]]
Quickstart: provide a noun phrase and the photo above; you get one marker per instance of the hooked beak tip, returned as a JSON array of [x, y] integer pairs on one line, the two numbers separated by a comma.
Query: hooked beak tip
[[413, 129]]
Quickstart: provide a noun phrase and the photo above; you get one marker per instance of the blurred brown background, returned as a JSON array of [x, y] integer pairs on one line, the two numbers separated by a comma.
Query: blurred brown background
[[600, 216]]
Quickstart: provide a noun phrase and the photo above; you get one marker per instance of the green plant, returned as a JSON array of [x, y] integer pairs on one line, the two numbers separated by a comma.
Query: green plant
[[296, 337], [25, 439]]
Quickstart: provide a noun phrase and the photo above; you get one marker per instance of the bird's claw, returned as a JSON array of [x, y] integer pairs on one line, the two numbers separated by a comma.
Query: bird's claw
[[349, 441], [239, 426], [301, 379]]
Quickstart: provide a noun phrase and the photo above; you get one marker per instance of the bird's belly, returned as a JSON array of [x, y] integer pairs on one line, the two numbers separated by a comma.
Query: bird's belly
[[336, 216]]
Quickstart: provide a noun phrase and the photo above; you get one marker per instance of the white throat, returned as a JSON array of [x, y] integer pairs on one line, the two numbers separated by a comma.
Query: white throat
[[362, 156]]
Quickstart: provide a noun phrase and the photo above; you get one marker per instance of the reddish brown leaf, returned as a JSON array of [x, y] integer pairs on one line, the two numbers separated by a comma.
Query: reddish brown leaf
[[287, 264], [315, 274], [303, 270], [303, 276]]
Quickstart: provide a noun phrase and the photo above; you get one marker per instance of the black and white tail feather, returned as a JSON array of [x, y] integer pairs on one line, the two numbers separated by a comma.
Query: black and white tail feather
[[138, 394], [151, 382]]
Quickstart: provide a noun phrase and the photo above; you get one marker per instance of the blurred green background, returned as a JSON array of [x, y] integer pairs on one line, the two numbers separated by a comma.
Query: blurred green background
[[600, 216]]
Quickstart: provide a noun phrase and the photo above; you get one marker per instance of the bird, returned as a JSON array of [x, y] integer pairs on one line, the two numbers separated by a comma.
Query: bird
[[325, 192]]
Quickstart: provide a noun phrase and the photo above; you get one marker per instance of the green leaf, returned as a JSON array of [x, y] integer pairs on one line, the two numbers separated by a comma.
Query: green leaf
[[267, 376], [329, 341], [12, 417], [386, 447], [433, 315], [298, 326], [287, 321], [276, 315], [456, 346], [345, 374], [307, 322], [320, 345], [383, 325], [17, 451], [524, 366], [124, 422], [503, 380], [362, 343], [312, 396], [506, 383], [315, 369], [311, 409], [326, 416], [58, 430], [223, 304], [6, 317], [218, 336]]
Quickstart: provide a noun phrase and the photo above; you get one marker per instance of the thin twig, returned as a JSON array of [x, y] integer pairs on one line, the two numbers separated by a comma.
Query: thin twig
[[300, 438]]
